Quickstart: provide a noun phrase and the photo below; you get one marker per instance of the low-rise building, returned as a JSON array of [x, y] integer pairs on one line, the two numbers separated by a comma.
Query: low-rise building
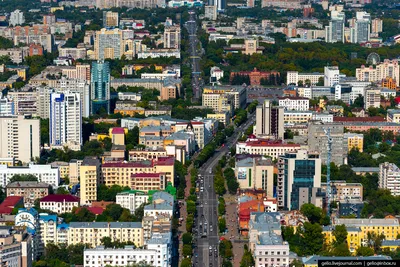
[[132, 199], [92, 232], [162, 203], [341, 190], [354, 141], [294, 77], [393, 115], [269, 148], [148, 181], [294, 103], [44, 173], [59, 203], [29, 190]]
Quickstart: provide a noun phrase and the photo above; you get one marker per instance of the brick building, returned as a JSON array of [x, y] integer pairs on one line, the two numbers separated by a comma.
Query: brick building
[[255, 76]]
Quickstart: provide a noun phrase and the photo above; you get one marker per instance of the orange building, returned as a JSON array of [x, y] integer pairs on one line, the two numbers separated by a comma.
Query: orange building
[[389, 83], [256, 76], [35, 50], [245, 209]]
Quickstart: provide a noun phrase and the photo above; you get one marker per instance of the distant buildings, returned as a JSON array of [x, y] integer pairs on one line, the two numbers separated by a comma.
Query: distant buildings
[[299, 178], [331, 75], [285, 4], [269, 121], [386, 69], [335, 31], [59, 203], [294, 77], [132, 199], [372, 98], [108, 44], [354, 141], [19, 138], [294, 103], [110, 19], [342, 191], [172, 36], [16, 247], [224, 98], [361, 30], [65, 120], [89, 175], [29, 190], [263, 147], [17, 18], [100, 89], [210, 12], [256, 77], [389, 177]]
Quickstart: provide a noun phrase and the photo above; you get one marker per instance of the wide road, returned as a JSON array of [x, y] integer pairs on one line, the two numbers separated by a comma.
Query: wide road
[[191, 26], [206, 223]]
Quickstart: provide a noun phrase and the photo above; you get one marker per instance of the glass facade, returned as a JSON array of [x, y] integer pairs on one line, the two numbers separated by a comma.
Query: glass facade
[[303, 176]]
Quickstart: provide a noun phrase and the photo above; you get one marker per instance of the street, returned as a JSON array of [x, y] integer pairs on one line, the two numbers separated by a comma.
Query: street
[[206, 238]]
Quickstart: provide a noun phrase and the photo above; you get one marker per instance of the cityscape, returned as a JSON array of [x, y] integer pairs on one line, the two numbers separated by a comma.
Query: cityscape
[[216, 133]]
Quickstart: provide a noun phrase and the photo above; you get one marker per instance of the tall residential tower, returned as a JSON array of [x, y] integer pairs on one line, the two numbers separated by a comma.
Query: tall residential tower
[[100, 87]]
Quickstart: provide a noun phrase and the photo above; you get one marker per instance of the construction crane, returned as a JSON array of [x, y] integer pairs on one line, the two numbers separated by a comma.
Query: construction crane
[[328, 172]]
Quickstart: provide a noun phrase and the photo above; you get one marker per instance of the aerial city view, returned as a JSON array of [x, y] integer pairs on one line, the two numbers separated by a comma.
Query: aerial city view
[[190, 133]]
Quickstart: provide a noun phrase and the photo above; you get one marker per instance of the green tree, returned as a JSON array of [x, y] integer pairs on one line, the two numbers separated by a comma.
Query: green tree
[[313, 213], [62, 191], [222, 225], [132, 138], [186, 263], [364, 251], [187, 250], [247, 259], [340, 234], [312, 238], [187, 238], [23, 177]]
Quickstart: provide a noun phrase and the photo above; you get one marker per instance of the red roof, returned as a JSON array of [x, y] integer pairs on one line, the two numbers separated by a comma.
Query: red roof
[[165, 161], [358, 119], [5, 210], [9, 203], [135, 164], [118, 130], [60, 198], [146, 175], [94, 210], [249, 204]]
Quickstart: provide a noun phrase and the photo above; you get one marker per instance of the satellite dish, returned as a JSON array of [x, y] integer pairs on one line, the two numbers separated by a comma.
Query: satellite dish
[[373, 59]]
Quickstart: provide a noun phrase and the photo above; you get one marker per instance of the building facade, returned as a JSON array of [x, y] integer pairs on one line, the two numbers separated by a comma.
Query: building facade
[[100, 87], [44, 173], [269, 121], [389, 177]]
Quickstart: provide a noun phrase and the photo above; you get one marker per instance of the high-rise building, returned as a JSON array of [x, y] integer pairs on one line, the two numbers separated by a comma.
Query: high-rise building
[[221, 5], [110, 19], [210, 12], [376, 25], [361, 31], [372, 98], [335, 31], [19, 138], [172, 37], [108, 44], [43, 101], [269, 121], [389, 177], [299, 180], [318, 141], [6, 107], [100, 87], [65, 120], [17, 18], [386, 69], [331, 75], [89, 174]]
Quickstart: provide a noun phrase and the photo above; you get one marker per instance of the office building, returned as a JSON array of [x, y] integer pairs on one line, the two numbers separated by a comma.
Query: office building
[[294, 103], [29, 190], [318, 141], [17, 18], [19, 138], [331, 75], [108, 44], [172, 36], [132, 199], [389, 177], [255, 172], [361, 31], [335, 31], [110, 19], [269, 121], [299, 178], [294, 77], [100, 89], [44, 173], [89, 174], [65, 120]]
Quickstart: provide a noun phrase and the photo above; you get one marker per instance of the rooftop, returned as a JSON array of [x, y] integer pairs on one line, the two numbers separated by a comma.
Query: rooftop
[[359, 119], [266, 142], [60, 198], [392, 243], [365, 169], [367, 222], [118, 130], [105, 225], [27, 185]]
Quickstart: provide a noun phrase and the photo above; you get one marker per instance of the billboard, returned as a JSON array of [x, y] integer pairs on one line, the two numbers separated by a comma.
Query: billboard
[[242, 173]]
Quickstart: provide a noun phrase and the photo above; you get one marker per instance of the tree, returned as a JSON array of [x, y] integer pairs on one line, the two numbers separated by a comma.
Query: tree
[[247, 259], [5, 43], [320, 81], [23, 177], [84, 215], [312, 238], [222, 225], [300, 83], [186, 263], [340, 234], [313, 213], [62, 191], [187, 250], [187, 238], [364, 251], [132, 138]]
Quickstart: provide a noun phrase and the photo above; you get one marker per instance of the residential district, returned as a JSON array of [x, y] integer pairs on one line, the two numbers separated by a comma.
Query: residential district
[[199, 133]]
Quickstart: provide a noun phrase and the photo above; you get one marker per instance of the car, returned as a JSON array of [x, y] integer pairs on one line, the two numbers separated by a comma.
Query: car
[[205, 202], [210, 248]]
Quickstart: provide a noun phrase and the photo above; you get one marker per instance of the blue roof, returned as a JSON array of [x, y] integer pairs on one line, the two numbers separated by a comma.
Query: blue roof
[[46, 217], [391, 243], [63, 226], [32, 211]]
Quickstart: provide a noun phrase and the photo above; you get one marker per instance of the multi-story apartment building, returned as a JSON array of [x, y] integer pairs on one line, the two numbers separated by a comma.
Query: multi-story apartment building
[[361, 32], [24, 102], [59, 203], [148, 181], [198, 129], [89, 174], [92, 232], [218, 102], [297, 117], [19, 138], [353, 140], [254, 172], [331, 75], [342, 191], [110, 19], [372, 98], [132, 199], [389, 177], [6, 107], [263, 147], [121, 173], [100, 87], [162, 203], [335, 31], [65, 120], [299, 178], [318, 141], [294, 77], [74, 171], [17, 18], [29, 190], [16, 248], [269, 121], [16, 55], [383, 70], [44, 173], [294, 103], [239, 94], [75, 53], [108, 44], [393, 115], [172, 36]]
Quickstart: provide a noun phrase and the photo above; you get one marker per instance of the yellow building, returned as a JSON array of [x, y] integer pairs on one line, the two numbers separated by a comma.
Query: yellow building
[[8, 161], [54, 9], [312, 261], [358, 230], [92, 232], [120, 173], [89, 173], [131, 111], [117, 135], [391, 245], [63, 167], [222, 117], [354, 140]]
